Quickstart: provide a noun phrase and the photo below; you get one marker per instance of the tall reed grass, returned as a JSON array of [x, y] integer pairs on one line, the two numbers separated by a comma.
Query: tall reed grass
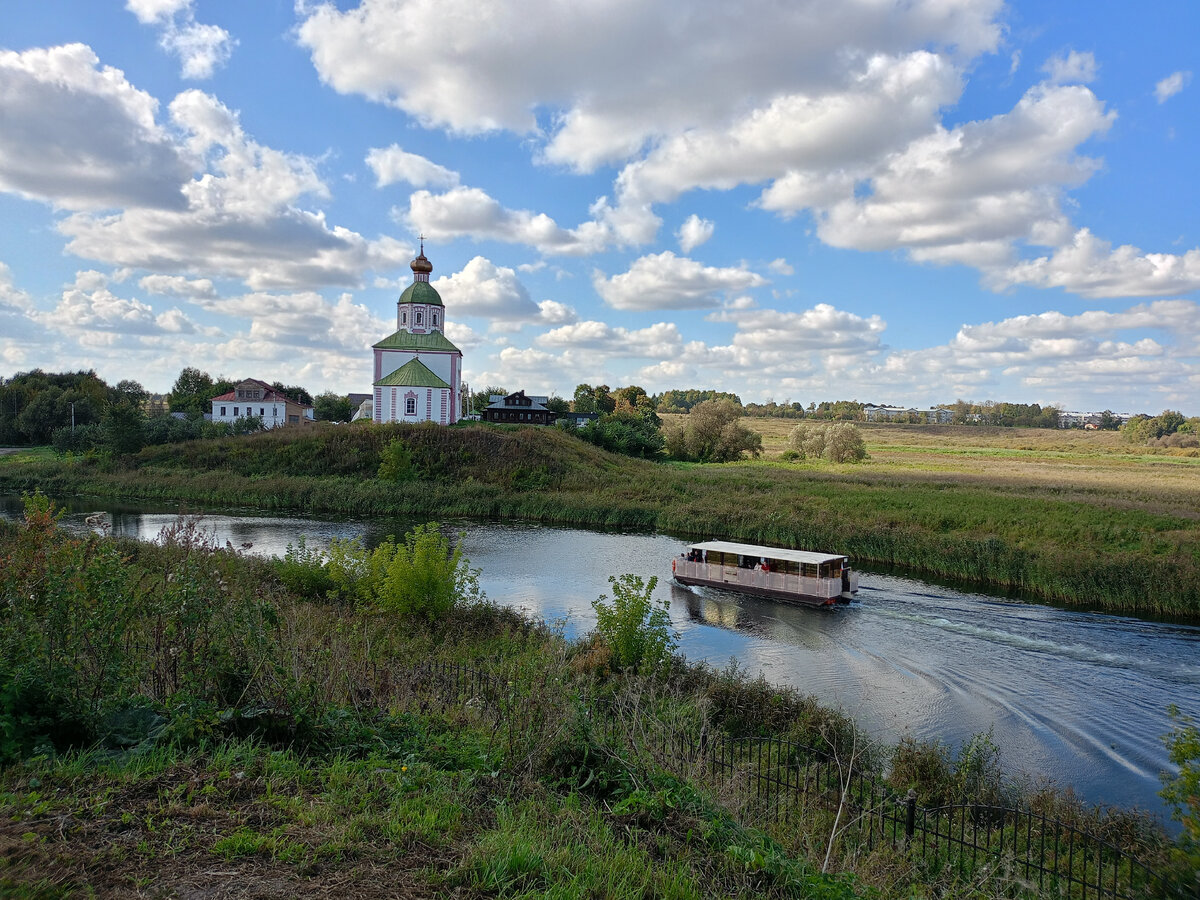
[[1096, 547]]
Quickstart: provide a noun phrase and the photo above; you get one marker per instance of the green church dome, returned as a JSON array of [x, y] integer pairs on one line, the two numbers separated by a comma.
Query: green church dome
[[421, 292]]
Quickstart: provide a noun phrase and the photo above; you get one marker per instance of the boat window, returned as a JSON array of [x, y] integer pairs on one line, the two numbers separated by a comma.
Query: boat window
[[786, 566], [810, 570]]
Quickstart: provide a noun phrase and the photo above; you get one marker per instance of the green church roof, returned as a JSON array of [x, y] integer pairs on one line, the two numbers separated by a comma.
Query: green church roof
[[421, 292], [413, 373], [406, 340]]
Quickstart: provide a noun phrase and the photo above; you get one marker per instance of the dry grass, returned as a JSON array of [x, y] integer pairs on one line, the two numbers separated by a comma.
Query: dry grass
[[1095, 467]]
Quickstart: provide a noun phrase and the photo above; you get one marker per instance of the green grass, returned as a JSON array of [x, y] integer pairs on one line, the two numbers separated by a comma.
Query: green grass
[[1065, 521], [314, 756]]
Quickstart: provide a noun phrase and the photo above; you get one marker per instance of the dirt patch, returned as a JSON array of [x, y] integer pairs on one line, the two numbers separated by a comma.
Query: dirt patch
[[155, 838]]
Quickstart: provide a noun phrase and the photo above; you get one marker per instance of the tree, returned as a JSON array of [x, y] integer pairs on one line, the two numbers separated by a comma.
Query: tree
[[192, 392], [711, 433], [844, 443], [596, 399], [331, 407], [294, 391], [584, 399], [124, 418], [557, 404], [481, 399], [1108, 421]]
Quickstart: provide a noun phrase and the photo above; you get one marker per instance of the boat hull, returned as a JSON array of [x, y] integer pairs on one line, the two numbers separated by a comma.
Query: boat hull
[[766, 592]]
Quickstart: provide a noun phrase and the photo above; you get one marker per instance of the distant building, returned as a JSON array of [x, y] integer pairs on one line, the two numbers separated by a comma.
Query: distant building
[[417, 370], [932, 416], [519, 408], [257, 398]]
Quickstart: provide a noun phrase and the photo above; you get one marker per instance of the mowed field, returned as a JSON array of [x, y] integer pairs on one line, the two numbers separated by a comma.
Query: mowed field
[[1093, 467]]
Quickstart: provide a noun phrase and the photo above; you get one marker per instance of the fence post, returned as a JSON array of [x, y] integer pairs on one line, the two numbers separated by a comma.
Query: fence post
[[910, 815]]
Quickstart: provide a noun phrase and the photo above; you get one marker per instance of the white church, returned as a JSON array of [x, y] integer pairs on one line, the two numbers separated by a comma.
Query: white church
[[418, 371]]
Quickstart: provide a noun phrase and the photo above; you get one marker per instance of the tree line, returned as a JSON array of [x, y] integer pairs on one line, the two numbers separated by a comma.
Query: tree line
[[79, 411]]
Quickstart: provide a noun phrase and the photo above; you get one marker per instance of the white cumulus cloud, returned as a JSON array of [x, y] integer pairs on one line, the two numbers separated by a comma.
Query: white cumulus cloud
[[201, 49], [667, 281], [1089, 266], [394, 164], [80, 136], [693, 232]]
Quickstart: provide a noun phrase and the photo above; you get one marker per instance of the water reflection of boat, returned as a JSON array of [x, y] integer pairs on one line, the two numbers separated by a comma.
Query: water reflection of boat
[[797, 576]]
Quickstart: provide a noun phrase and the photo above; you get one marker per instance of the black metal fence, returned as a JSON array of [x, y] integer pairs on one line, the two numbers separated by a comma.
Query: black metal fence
[[1029, 853]]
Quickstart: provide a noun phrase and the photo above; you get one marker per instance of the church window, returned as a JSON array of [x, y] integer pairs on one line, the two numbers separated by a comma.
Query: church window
[[222, 410], [410, 406], [403, 318], [435, 318], [235, 411], [261, 411], [418, 317]]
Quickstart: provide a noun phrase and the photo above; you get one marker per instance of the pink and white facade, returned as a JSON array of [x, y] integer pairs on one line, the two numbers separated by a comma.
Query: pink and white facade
[[417, 371]]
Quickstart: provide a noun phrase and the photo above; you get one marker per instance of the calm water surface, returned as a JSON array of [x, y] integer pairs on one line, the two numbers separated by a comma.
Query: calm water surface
[[1074, 698]]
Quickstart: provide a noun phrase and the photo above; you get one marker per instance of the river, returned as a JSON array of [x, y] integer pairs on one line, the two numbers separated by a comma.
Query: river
[[1072, 698]]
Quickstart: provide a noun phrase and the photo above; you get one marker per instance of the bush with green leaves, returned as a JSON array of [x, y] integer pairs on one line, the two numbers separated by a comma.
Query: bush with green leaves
[[627, 432], [69, 605], [421, 576], [396, 462], [303, 570], [635, 626], [1182, 789]]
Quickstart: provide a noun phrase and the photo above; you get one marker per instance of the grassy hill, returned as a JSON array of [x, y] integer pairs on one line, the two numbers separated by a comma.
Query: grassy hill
[[1070, 517]]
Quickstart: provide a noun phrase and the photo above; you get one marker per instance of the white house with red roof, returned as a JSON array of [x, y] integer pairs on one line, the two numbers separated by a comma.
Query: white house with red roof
[[257, 398], [417, 373]]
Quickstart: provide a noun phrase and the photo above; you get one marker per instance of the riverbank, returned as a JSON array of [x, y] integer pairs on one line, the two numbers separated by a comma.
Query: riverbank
[[241, 722], [1093, 527]]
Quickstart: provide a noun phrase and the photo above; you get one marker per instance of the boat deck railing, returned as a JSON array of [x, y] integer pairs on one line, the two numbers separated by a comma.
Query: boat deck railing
[[737, 577]]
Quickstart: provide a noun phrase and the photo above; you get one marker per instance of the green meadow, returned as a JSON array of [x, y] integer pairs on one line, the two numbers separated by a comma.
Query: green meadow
[[1070, 517]]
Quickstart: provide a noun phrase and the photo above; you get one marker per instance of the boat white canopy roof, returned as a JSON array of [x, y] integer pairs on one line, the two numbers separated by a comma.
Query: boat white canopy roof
[[799, 556]]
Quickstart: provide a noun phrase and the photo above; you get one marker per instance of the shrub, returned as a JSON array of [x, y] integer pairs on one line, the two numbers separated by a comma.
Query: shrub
[[1182, 790], [303, 571], [396, 462], [925, 767], [421, 576], [634, 626], [69, 605], [838, 443], [625, 432]]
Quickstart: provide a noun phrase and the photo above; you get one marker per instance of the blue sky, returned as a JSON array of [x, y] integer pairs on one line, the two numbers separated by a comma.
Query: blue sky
[[903, 203]]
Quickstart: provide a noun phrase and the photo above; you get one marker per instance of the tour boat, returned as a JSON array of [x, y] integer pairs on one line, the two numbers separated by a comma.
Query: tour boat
[[798, 576]]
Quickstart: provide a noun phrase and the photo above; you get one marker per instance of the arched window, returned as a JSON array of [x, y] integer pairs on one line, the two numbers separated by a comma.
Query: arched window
[[435, 318], [418, 317], [410, 406], [403, 318]]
